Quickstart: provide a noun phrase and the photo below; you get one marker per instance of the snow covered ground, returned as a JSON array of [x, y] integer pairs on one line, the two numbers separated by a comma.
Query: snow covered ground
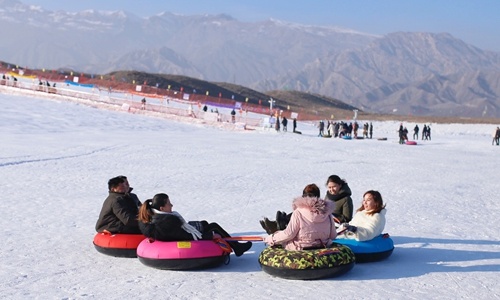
[[56, 157]]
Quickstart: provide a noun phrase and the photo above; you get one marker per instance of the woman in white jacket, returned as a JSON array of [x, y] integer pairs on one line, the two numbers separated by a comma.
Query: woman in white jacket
[[369, 220]]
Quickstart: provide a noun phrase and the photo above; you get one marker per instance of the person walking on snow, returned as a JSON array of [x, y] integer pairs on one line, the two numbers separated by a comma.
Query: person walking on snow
[[284, 122], [321, 128], [415, 132], [496, 136]]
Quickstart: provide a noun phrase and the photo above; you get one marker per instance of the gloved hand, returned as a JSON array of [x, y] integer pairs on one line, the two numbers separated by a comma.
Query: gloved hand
[[350, 228]]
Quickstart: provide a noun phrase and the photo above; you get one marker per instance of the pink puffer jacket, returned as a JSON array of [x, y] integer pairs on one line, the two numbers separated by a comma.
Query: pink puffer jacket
[[311, 225]]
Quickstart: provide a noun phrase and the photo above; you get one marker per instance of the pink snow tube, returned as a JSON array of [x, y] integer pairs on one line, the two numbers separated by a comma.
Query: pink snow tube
[[181, 255], [411, 143]]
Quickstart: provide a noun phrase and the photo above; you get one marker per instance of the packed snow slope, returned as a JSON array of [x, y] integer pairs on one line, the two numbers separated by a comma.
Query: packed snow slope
[[56, 157]]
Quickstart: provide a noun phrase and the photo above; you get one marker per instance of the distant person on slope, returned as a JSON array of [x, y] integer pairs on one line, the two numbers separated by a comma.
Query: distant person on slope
[[284, 122], [329, 128], [365, 130], [159, 222], [496, 136], [415, 132], [401, 134], [233, 116], [355, 128], [321, 127]]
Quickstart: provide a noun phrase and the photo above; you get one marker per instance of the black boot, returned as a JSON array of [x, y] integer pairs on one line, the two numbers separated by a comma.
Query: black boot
[[269, 226], [281, 219], [263, 224], [240, 248]]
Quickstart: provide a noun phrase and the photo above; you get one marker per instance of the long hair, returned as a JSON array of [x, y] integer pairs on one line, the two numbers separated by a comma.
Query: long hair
[[146, 211], [379, 203]]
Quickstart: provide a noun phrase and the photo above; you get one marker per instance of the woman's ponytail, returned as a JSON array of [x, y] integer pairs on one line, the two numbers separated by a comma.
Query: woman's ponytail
[[145, 212]]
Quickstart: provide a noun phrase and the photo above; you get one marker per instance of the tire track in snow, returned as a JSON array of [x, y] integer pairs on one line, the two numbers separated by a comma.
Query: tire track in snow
[[28, 161]]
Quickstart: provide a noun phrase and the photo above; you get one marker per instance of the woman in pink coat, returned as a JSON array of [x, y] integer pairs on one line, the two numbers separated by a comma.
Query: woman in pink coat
[[311, 224]]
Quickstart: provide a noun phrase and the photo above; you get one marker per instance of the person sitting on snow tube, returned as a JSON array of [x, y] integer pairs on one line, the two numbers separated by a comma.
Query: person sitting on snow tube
[[369, 220], [159, 222], [119, 210], [338, 191], [311, 224]]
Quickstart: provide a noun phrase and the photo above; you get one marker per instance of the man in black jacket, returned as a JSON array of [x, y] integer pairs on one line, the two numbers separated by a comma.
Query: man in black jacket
[[119, 210]]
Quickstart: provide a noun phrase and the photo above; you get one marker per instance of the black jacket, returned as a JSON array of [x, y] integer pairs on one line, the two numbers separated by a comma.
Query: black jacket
[[119, 214], [343, 203], [168, 227]]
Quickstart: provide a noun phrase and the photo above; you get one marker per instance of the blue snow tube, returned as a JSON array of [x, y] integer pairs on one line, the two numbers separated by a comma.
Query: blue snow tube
[[376, 249]]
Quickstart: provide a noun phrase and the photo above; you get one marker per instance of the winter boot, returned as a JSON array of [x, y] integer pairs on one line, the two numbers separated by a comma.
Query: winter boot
[[240, 248], [281, 219], [263, 224], [269, 226]]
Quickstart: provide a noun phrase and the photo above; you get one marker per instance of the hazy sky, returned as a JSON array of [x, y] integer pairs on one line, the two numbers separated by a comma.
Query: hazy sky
[[475, 22]]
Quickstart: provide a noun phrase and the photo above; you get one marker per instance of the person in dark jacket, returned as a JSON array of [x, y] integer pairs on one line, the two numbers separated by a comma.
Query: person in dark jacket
[[159, 222], [284, 122], [338, 192], [119, 210], [401, 132], [415, 132], [496, 136], [321, 127], [233, 116]]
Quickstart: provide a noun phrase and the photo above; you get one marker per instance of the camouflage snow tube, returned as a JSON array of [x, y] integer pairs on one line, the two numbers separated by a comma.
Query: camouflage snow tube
[[307, 264]]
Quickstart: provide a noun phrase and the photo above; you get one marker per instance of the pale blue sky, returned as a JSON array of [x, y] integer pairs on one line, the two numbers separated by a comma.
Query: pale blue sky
[[475, 22]]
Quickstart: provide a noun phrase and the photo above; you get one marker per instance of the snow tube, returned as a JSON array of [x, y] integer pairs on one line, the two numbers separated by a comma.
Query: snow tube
[[307, 264], [410, 143], [119, 245], [87, 85], [376, 249], [347, 137], [382, 139], [181, 255]]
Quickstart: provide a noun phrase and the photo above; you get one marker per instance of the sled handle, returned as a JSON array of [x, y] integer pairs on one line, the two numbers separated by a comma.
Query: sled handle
[[248, 238]]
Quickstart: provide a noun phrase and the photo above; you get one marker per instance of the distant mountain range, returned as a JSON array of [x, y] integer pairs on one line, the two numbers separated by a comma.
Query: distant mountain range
[[406, 73]]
